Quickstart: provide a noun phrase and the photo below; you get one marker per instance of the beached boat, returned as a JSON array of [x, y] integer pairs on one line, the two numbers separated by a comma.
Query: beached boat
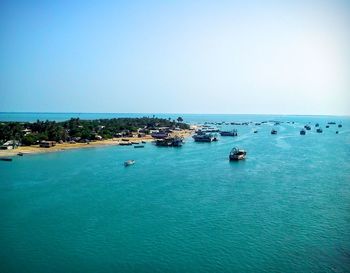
[[302, 132], [5, 159], [129, 163], [229, 133], [125, 143], [139, 146], [273, 132], [237, 154], [319, 130]]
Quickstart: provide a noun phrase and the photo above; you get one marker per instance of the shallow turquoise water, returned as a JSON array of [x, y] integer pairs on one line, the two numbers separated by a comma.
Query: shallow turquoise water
[[285, 209]]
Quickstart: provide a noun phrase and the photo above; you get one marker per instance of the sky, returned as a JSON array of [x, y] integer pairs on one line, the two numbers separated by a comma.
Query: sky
[[227, 57]]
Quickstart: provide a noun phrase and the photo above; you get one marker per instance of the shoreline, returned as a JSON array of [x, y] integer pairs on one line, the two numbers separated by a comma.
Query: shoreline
[[35, 149]]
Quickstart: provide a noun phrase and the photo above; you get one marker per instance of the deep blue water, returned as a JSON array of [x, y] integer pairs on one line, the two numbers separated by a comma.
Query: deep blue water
[[286, 208]]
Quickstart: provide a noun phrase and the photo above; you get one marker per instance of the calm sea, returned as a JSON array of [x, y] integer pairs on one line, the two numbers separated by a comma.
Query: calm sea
[[286, 208]]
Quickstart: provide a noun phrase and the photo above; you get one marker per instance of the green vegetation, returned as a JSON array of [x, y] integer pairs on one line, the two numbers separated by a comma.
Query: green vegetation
[[75, 129]]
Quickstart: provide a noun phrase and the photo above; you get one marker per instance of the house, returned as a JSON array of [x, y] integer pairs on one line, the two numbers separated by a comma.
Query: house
[[8, 145], [47, 144]]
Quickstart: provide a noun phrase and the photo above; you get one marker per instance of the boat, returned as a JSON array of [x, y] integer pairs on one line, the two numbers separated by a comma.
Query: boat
[[5, 159], [237, 154], [273, 132], [331, 122], [129, 163], [319, 130], [20, 154], [143, 141], [307, 127], [327, 126], [302, 132], [135, 142], [203, 137], [337, 132], [255, 131], [229, 133], [125, 143], [170, 142], [139, 146], [339, 125], [317, 125]]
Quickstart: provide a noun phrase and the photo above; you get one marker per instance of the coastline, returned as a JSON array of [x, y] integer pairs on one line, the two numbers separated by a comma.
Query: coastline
[[35, 149]]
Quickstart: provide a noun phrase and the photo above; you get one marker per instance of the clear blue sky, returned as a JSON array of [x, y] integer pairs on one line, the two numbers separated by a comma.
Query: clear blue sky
[[280, 57]]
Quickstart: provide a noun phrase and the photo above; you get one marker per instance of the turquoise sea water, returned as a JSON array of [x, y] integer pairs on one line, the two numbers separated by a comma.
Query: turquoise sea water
[[286, 208]]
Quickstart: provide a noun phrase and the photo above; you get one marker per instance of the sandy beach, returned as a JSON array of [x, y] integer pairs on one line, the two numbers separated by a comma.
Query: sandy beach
[[35, 149]]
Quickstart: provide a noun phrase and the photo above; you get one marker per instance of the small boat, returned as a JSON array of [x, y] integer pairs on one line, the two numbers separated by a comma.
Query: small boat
[[255, 131], [237, 154], [129, 163], [307, 127], [139, 146], [302, 132], [143, 141], [339, 125], [125, 143], [319, 130], [327, 126], [5, 159], [273, 132], [331, 122], [317, 125], [337, 132], [135, 142], [20, 154], [125, 139]]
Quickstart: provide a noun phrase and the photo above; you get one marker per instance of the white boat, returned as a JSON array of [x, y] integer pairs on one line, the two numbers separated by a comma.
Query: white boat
[[129, 163], [237, 154]]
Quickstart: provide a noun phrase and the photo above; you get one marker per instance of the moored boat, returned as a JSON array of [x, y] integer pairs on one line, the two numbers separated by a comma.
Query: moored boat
[[229, 133], [302, 132], [170, 142], [129, 163], [139, 146], [237, 154], [273, 132], [319, 130], [307, 127], [5, 159], [202, 137]]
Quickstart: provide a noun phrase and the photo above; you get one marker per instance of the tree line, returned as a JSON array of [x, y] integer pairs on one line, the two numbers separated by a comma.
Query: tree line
[[29, 133]]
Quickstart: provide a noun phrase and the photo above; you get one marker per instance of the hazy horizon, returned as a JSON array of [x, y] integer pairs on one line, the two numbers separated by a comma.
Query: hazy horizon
[[288, 58]]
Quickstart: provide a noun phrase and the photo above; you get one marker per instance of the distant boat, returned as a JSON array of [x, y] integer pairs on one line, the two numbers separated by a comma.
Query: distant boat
[[331, 122], [143, 141], [302, 132], [317, 125], [337, 132], [139, 146], [255, 131], [170, 142], [307, 127], [125, 143], [135, 142], [237, 154], [339, 125], [327, 126], [319, 130], [229, 133], [20, 154], [273, 132], [129, 163], [5, 159]]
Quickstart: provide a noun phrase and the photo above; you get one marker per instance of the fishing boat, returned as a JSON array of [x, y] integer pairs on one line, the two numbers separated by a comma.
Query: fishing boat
[[237, 154], [203, 137], [302, 132], [273, 132], [139, 146], [125, 143], [229, 133], [129, 163], [170, 142], [319, 130], [5, 159]]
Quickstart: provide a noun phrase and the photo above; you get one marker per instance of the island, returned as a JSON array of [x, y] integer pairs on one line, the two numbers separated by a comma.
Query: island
[[48, 136]]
